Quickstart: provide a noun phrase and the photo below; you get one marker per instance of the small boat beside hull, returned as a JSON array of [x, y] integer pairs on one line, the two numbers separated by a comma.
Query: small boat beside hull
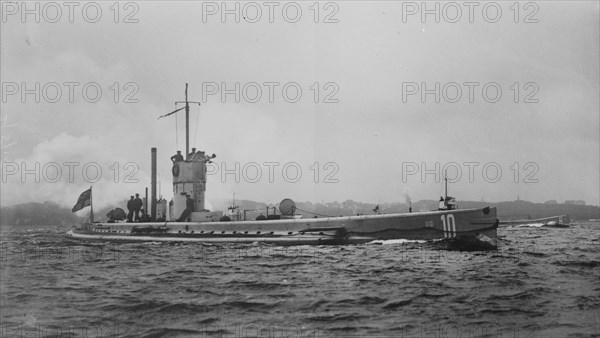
[[468, 223]]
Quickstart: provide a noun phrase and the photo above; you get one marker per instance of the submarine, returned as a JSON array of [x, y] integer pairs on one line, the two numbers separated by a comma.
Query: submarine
[[186, 218]]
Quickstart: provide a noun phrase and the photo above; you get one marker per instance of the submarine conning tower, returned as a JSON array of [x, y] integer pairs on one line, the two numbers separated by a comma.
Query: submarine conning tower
[[189, 178]]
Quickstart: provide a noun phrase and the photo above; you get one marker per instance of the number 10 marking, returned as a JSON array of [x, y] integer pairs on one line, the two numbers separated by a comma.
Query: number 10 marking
[[449, 226]]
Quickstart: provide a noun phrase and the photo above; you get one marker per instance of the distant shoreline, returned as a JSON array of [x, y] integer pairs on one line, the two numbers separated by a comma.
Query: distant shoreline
[[34, 213]]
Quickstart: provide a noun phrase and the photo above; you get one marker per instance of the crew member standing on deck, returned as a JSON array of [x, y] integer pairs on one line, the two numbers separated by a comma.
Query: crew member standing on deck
[[442, 204], [137, 206], [145, 217], [177, 157], [130, 209], [450, 203], [190, 156], [189, 208]]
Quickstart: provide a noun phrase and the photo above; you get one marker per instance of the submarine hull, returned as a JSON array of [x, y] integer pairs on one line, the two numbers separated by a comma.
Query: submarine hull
[[457, 224]]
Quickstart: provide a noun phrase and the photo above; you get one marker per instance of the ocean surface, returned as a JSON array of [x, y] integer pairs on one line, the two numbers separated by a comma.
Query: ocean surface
[[540, 282]]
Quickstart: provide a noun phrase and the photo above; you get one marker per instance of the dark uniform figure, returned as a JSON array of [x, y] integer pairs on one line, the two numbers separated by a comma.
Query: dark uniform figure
[[449, 203], [177, 157], [442, 204], [137, 206], [130, 209], [190, 156], [145, 216], [189, 207]]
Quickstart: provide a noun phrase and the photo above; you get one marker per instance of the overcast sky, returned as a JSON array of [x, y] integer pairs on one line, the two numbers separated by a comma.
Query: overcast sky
[[370, 132]]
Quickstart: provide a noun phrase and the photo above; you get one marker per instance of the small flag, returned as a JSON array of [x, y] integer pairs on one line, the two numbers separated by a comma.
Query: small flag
[[171, 113], [84, 200]]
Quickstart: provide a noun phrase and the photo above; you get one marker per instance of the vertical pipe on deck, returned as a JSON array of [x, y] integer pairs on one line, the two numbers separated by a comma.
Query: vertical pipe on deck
[[146, 202], [153, 186]]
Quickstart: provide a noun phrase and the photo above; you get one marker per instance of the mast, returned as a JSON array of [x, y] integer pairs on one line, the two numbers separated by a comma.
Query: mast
[[152, 184], [446, 183], [187, 120], [233, 208], [91, 206], [187, 123]]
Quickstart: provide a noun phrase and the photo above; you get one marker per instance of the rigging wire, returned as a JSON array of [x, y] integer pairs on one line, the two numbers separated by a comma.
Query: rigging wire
[[197, 122], [176, 128]]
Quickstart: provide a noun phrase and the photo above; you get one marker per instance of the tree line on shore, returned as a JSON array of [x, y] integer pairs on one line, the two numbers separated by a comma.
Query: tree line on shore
[[50, 213]]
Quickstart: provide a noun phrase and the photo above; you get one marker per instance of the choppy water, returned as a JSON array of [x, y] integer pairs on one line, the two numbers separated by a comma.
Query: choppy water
[[541, 282]]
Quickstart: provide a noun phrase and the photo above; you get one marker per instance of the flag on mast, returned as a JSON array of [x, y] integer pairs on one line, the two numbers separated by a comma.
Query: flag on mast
[[84, 200]]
